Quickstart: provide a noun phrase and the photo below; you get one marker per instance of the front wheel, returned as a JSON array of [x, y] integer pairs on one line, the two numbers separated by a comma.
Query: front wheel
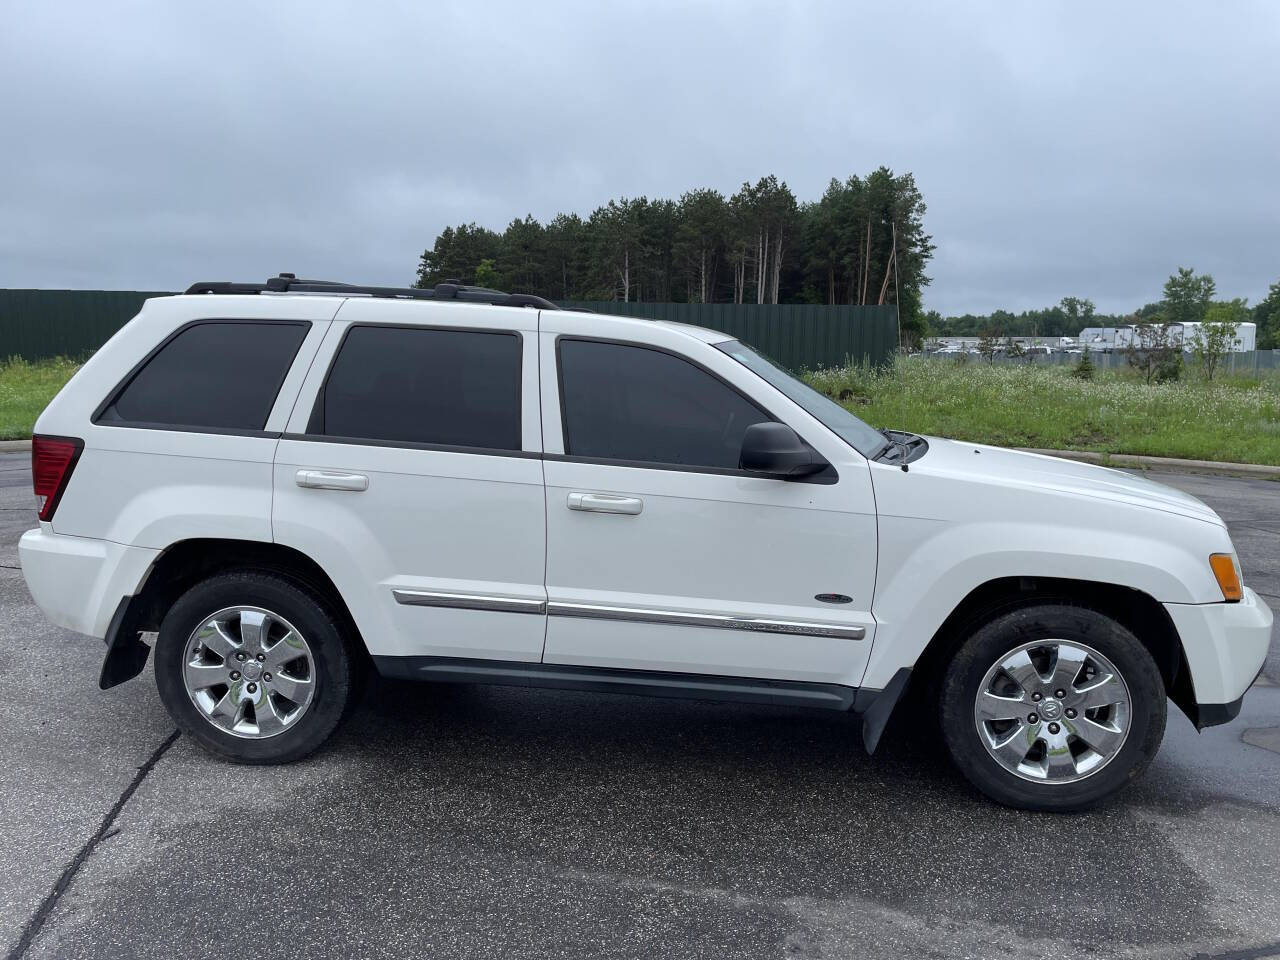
[[254, 666], [1052, 707]]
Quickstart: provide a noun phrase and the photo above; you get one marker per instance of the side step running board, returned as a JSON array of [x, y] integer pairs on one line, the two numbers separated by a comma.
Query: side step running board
[[875, 706], [792, 693]]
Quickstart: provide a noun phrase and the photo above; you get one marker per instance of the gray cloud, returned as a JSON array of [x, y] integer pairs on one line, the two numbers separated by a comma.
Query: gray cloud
[[1082, 149]]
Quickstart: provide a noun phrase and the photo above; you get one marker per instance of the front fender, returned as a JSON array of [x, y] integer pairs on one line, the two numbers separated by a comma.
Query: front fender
[[927, 567]]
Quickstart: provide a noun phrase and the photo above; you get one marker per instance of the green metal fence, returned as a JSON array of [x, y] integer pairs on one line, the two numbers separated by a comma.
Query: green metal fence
[[798, 336], [35, 324], [73, 323]]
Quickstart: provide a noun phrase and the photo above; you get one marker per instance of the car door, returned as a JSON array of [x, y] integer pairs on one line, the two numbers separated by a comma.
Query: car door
[[661, 554], [411, 474]]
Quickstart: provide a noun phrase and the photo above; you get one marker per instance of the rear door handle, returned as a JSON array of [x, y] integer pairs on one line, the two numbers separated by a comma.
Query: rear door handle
[[605, 503], [326, 480]]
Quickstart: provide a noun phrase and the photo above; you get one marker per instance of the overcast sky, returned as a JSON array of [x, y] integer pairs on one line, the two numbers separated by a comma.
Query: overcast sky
[[1062, 148]]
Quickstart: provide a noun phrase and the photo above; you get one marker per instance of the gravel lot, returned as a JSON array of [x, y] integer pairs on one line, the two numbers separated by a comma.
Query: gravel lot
[[499, 822]]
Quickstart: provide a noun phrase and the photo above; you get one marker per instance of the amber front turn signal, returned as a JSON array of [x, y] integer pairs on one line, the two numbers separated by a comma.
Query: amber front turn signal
[[1227, 570]]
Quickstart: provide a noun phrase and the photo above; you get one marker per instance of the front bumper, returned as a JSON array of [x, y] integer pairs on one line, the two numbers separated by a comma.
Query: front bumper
[[77, 581], [1225, 645]]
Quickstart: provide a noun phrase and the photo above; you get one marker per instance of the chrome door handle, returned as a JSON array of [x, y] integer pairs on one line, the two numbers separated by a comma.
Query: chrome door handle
[[605, 503], [325, 480]]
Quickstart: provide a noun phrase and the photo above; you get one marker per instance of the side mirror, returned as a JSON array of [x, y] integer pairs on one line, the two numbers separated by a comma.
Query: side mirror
[[776, 450]]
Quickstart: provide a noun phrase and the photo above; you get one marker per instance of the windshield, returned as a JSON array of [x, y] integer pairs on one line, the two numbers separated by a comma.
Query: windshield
[[867, 440]]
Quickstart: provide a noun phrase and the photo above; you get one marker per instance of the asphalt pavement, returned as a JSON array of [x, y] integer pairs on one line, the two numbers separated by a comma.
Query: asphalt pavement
[[500, 822]]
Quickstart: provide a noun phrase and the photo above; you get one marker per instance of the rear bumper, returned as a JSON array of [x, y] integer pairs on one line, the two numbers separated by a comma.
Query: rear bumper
[[1225, 645], [79, 582]]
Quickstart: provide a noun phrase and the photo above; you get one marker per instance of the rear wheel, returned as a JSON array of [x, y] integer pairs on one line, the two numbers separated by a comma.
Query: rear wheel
[[254, 666], [1052, 707]]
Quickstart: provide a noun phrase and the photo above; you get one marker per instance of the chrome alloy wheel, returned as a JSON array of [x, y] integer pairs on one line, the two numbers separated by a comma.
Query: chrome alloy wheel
[[249, 672], [1053, 711]]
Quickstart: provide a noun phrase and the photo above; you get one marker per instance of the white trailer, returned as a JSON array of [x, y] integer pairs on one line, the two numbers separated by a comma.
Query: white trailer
[[1106, 339], [1187, 334]]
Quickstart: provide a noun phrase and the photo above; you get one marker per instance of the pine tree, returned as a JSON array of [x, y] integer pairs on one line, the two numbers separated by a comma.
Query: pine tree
[[1084, 366]]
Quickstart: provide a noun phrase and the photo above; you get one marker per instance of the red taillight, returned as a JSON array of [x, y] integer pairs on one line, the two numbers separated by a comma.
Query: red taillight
[[52, 460]]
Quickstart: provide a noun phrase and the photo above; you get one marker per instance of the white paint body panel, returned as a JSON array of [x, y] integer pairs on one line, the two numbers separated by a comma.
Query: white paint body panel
[[707, 543], [447, 522], [965, 514], [430, 519], [1226, 644], [905, 546], [77, 581], [153, 488]]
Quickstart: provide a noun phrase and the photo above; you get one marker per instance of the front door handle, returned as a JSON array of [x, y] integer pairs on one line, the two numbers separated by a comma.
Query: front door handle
[[327, 480], [605, 503]]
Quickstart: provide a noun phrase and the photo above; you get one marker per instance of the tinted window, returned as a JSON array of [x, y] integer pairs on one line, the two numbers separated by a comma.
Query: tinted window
[[632, 403], [449, 387], [219, 374], [863, 437]]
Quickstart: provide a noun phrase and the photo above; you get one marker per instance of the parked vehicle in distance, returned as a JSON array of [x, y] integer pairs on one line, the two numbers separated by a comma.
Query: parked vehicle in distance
[[293, 482]]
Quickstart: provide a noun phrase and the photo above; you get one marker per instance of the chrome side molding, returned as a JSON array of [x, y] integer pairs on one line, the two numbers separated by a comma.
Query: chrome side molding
[[468, 601], [809, 628], [597, 611]]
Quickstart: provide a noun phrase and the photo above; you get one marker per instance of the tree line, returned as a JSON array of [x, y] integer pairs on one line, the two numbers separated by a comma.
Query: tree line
[[1065, 319], [862, 242], [1189, 297]]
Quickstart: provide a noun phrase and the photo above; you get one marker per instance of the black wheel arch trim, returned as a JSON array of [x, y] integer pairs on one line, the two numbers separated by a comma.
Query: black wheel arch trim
[[1135, 609]]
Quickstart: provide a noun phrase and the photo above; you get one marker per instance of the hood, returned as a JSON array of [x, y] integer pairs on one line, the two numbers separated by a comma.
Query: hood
[[1013, 468]]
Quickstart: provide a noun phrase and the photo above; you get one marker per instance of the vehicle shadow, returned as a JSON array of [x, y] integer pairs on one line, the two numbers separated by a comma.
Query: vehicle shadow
[[477, 821], [765, 802]]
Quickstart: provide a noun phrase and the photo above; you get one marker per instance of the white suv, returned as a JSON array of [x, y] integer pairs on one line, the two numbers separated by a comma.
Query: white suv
[[294, 480]]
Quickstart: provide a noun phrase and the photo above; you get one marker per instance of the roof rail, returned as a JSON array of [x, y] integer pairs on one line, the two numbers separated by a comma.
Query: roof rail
[[449, 290]]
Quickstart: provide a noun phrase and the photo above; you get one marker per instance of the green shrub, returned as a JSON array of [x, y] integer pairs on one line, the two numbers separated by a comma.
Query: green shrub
[[1171, 369]]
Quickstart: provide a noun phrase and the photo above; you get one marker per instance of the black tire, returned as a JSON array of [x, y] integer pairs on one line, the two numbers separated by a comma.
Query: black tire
[[335, 666], [990, 643]]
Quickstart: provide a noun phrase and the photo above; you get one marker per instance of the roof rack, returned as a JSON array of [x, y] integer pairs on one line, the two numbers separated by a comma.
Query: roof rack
[[449, 290]]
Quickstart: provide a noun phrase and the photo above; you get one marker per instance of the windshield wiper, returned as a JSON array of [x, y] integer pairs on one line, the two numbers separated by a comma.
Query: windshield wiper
[[899, 446]]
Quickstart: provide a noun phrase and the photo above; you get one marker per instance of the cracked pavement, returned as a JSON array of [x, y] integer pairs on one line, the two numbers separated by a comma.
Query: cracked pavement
[[482, 822]]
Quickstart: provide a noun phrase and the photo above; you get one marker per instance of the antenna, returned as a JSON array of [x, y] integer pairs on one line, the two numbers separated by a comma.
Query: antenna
[[897, 312]]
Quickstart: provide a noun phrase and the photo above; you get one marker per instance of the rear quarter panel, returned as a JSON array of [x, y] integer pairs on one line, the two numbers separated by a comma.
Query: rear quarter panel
[[154, 487]]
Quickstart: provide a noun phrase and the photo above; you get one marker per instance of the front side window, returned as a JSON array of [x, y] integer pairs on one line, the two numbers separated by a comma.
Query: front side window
[[217, 374], [458, 388], [632, 403], [863, 437]]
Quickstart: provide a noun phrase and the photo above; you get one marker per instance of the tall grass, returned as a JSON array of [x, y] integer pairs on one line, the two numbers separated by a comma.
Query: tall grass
[[1232, 419], [26, 388]]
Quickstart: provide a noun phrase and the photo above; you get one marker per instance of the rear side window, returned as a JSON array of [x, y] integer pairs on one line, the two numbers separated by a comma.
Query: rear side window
[[632, 403], [457, 388], [216, 374]]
